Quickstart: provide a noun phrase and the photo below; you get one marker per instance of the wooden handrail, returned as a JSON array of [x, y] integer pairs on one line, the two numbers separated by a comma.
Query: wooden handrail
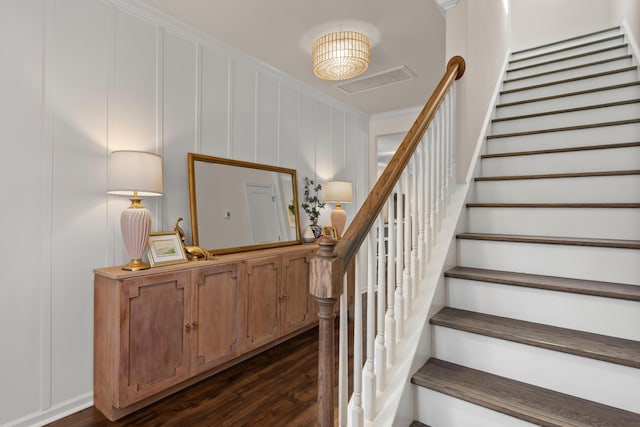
[[364, 219], [328, 267]]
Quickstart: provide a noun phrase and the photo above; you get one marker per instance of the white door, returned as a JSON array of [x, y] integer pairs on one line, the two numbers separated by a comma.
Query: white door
[[263, 213]]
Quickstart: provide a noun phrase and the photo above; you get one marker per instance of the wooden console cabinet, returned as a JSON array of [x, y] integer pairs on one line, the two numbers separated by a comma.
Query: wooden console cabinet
[[159, 330]]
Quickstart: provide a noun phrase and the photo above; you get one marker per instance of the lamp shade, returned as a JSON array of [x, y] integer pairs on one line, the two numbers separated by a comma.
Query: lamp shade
[[135, 171], [340, 55], [338, 192]]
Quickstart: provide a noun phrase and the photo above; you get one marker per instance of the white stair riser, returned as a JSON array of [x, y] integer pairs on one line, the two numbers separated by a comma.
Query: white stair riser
[[579, 262], [577, 118], [557, 89], [558, 53], [598, 315], [518, 70], [565, 74], [590, 379], [573, 161], [576, 42], [600, 189], [592, 98], [572, 138], [595, 223], [441, 410]]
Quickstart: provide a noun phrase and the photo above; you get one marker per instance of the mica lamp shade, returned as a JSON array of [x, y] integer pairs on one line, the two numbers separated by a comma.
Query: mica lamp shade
[[135, 174], [340, 55], [338, 192]]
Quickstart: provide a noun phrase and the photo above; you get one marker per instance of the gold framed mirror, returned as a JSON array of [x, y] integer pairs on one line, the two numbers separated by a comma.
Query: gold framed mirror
[[240, 206]]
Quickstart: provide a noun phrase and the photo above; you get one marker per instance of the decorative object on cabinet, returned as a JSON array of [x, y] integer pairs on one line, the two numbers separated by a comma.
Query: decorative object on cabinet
[[165, 248], [240, 206], [135, 174], [194, 253], [312, 204], [338, 192], [340, 55], [330, 231], [158, 331], [308, 236]]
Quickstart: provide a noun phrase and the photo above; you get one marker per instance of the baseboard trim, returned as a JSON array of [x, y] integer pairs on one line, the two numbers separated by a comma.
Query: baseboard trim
[[53, 413]]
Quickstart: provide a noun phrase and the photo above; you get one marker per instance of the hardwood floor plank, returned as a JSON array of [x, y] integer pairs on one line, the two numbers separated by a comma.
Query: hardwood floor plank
[[537, 405], [275, 388], [601, 347], [550, 240], [562, 284]]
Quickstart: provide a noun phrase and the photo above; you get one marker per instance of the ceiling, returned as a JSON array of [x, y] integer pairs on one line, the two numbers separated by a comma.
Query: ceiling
[[280, 33]]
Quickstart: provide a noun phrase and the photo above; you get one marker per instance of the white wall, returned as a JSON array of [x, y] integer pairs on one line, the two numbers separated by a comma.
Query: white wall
[[536, 22], [479, 32], [79, 79]]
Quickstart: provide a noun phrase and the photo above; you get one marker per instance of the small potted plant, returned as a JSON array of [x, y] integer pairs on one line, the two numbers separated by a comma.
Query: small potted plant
[[312, 205]]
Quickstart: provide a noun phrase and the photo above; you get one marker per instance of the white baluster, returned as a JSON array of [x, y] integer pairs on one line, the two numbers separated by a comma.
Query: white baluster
[[437, 176], [407, 292], [381, 350], [369, 376], [399, 297], [422, 208], [431, 184], [390, 317], [452, 93], [343, 363], [415, 268], [443, 168], [355, 407]]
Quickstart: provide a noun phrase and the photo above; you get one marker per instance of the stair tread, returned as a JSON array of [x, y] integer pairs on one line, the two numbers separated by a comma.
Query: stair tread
[[556, 205], [553, 283], [574, 67], [558, 175], [571, 79], [600, 347], [570, 39], [566, 48], [562, 150], [523, 401], [565, 129], [568, 110], [568, 94], [567, 58], [553, 240]]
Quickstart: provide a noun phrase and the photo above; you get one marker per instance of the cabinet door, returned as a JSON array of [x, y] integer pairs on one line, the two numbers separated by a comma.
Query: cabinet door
[[218, 316], [154, 311], [261, 301], [296, 308]]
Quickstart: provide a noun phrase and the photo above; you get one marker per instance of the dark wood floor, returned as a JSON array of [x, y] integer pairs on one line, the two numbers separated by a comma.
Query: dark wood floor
[[275, 388]]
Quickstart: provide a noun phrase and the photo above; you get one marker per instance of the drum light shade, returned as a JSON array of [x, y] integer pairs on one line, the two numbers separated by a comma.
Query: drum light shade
[[340, 55]]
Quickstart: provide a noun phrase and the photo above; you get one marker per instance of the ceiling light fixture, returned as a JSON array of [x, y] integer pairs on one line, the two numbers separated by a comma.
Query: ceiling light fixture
[[340, 55]]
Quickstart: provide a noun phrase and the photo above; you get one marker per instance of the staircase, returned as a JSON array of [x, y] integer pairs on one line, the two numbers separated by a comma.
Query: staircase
[[542, 323]]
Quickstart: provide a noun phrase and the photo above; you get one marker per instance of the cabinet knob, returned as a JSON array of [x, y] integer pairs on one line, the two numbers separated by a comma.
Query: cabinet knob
[[195, 325], [283, 298], [187, 327]]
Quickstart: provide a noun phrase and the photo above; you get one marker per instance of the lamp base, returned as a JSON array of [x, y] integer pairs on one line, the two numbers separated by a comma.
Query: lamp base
[[136, 265], [338, 220]]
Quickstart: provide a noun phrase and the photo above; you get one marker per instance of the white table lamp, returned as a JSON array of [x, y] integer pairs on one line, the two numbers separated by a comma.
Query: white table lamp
[[338, 192], [135, 174]]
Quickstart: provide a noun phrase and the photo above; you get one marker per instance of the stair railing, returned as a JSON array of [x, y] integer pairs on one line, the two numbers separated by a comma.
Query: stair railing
[[414, 189]]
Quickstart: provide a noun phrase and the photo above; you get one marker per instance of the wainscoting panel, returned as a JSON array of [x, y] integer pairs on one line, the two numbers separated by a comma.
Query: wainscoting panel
[[81, 78]]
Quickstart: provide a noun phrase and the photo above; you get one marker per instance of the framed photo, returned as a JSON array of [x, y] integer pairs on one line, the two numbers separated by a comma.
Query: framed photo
[[329, 231], [165, 248]]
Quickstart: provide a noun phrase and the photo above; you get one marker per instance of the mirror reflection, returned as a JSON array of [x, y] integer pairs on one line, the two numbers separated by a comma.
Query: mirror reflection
[[237, 206]]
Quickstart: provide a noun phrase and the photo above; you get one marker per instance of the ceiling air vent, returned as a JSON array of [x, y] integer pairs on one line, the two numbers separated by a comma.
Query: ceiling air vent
[[373, 81]]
